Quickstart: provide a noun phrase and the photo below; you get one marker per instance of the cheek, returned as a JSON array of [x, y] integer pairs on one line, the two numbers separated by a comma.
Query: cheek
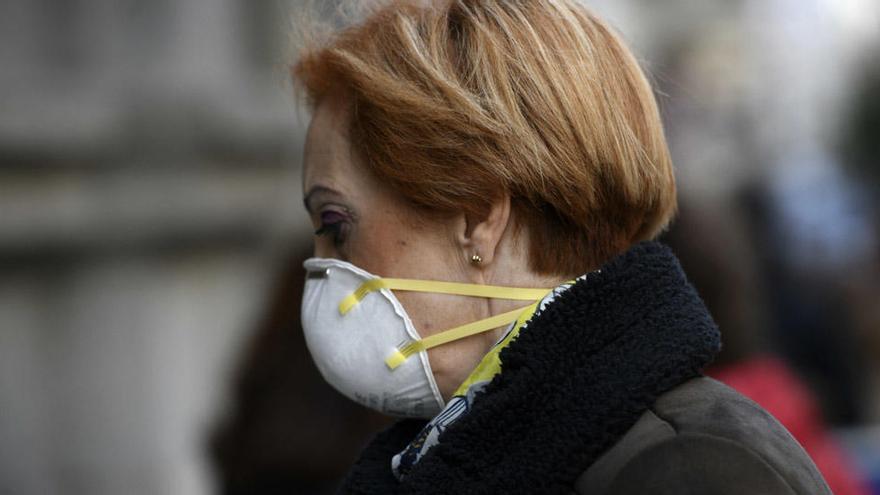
[[393, 248], [380, 248], [435, 313], [392, 251]]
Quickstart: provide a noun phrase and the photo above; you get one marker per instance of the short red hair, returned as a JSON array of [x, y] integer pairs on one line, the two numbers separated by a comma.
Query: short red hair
[[457, 101]]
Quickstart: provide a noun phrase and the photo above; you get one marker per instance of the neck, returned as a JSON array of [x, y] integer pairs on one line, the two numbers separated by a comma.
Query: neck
[[510, 268]]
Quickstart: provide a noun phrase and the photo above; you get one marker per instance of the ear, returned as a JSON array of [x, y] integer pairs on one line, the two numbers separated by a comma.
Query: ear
[[482, 234]]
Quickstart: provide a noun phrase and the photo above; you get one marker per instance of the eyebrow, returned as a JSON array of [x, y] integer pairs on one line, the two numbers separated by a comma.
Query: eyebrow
[[307, 199]]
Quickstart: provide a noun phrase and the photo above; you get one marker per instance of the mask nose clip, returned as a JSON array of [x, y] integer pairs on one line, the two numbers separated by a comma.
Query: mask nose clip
[[318, 274]]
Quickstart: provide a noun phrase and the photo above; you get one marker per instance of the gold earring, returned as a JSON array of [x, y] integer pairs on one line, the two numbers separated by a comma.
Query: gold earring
[[476, 259]]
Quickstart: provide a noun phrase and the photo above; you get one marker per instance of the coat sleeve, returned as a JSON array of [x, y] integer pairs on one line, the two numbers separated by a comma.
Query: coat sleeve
[[697, 464]]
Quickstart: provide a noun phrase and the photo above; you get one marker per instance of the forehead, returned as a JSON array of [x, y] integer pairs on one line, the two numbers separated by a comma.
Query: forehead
[[328, 159]]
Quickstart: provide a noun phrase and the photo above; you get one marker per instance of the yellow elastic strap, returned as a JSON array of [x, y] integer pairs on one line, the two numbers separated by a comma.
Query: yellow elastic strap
[[493, 291], [490, 365], [413, 347]]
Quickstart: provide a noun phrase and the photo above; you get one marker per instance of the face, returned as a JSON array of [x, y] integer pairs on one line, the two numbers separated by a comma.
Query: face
[[360, 220]]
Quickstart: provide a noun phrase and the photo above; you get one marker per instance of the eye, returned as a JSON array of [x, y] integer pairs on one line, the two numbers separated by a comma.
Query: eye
[[335, 224]]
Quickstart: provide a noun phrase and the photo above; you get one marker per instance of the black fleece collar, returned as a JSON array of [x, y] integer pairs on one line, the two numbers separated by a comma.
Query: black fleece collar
[[572, 383]]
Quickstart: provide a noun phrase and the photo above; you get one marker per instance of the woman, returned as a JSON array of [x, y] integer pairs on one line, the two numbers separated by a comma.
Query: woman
[[485, 178]]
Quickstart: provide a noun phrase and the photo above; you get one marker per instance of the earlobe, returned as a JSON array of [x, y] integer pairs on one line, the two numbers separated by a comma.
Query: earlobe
[[482, 234]]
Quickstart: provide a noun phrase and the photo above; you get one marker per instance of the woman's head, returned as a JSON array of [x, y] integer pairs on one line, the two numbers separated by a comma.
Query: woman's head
[[454, 104], [520, 131]]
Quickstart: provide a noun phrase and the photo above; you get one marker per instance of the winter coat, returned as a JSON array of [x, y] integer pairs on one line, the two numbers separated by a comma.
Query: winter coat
[[602, 393]]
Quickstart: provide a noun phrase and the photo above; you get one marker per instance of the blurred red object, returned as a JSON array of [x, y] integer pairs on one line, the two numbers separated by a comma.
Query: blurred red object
[[769, 382]]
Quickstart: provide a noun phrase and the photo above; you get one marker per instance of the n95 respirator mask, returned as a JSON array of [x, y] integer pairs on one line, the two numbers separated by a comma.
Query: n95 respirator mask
[[364, 343]]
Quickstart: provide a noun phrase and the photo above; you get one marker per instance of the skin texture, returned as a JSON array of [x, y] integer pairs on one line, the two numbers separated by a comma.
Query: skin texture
[[360, 220]]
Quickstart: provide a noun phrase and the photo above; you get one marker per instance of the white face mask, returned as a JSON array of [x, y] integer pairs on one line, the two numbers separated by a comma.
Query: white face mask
[[365, 344]]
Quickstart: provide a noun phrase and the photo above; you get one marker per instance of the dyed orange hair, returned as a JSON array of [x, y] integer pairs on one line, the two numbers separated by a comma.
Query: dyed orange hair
[[457, 101]]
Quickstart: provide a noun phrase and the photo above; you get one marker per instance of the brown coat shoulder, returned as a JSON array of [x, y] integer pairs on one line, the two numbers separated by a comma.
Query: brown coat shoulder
[[704, 437]]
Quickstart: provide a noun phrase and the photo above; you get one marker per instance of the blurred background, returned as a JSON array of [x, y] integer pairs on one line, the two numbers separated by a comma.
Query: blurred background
[[151, 235]]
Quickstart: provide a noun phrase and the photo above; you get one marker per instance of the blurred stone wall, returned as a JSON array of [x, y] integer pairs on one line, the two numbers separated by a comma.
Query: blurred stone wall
[[149, 156]]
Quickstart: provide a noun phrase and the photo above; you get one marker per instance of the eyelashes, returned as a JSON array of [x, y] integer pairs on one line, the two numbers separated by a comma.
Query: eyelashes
[[333, 224], [327, 229]]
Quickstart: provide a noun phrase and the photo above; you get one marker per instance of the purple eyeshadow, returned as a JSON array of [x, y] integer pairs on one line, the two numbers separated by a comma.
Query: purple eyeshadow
[[331, 217]]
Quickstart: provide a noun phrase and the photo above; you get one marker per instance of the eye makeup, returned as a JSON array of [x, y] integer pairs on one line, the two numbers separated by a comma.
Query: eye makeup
[[336, 223]]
